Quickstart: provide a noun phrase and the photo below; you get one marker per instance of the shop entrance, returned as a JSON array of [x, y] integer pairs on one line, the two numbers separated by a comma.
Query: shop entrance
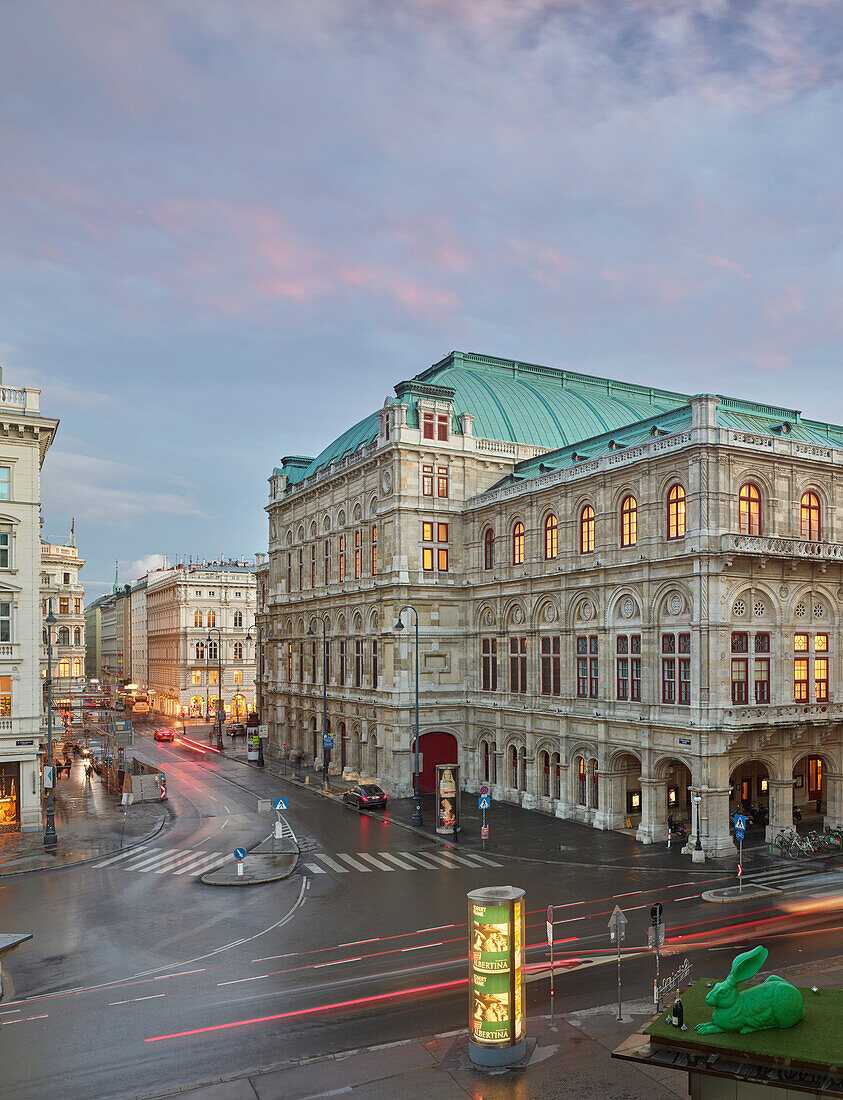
[[750, 792], [436, 748], [10, 797]]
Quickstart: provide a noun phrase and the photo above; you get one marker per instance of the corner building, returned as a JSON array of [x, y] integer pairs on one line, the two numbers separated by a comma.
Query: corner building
[[627, 598]]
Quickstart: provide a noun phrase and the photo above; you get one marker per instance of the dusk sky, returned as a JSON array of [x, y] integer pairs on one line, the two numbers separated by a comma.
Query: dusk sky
[[228, 229]]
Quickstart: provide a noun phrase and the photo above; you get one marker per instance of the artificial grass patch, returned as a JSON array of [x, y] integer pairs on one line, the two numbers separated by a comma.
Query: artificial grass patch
[[816, 1040]]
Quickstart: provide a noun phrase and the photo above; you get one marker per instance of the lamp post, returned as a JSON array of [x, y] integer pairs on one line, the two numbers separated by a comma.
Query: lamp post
[[417, 814], [259, 669], [220, 711], [325, 751], [698, 848], [50, 838]]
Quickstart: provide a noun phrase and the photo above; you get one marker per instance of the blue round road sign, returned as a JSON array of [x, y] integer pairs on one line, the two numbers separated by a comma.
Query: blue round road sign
[[239, 853], [739, 834]]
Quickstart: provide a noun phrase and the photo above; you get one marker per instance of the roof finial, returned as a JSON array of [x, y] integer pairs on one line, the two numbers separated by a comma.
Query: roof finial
[[116, 587]]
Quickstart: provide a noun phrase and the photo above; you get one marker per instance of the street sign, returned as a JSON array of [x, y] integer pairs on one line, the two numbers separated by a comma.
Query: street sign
[[617, 921], [550, 913], [739, 834], [484, 803], [549, 933], [263, 732], [327, 741], [656, 912], [740, 871], [651, 936], [740, 821], [484, 789], [49, 774], [280, 804], [239, 854]]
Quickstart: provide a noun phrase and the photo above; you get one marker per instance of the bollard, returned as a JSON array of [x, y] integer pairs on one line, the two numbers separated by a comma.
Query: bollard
[[239, 868]]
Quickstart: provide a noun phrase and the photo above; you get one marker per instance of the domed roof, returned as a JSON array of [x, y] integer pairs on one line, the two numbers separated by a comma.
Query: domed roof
[[517, 402]]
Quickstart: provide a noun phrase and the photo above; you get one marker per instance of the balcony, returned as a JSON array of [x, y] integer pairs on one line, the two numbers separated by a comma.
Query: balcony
[[771, 546], [9, 651]]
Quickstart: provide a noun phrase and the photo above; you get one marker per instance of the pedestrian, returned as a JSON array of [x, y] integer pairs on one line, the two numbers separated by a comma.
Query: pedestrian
[[456, 832]]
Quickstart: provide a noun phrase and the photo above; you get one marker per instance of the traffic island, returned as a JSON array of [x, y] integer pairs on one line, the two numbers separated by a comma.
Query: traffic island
[[730, 894], [807, 1057], [260, 865]]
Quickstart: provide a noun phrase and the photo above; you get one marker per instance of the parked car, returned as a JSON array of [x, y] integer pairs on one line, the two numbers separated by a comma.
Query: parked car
[[236, 729], [365, 796], [165, 734]]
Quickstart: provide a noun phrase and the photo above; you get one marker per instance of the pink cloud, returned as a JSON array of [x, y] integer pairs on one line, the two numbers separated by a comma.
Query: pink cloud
[[728, 265]]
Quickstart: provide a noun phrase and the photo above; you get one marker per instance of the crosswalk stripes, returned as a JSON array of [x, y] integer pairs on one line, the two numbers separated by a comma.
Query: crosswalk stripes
[[181, 861], [785, 878], [403, 861]]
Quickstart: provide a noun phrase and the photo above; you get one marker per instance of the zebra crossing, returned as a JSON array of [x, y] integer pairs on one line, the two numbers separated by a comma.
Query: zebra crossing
[[787, 878], [165, 861], [343, 863]]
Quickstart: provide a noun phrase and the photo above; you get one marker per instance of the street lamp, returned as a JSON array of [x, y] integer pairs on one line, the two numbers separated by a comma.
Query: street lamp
[[698, 845], [220, 711], [259, 668], [50, 838], [325, 751], [417, 814]]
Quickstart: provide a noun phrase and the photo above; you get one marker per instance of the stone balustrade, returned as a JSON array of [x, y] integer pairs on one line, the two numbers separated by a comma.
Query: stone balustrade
[[773, 546]]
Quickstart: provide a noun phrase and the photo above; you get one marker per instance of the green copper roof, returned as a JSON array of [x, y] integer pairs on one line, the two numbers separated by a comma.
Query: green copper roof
[[518, 402]]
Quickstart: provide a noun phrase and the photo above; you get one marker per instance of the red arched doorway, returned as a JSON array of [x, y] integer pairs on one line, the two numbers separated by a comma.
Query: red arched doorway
[[436, 748]]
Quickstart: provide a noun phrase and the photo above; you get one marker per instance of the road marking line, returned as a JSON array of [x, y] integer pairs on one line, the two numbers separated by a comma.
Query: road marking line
[[688, 897], [315, 869], [441, 860], [419, 860], [484, 859], [357, 943], [375, 862], [352, 862], [129, 853], [421, 947], [338, 962], [237, 981], [395, 859], [181, 974], [332, 863], [226, 808], [438, 928], [177, 862], [151, 997], [467, 860], [289, 955], [223, 825], [205, 865]]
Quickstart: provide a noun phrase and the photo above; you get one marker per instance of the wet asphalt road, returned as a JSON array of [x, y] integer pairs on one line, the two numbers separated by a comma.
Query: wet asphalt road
[[140, 979]]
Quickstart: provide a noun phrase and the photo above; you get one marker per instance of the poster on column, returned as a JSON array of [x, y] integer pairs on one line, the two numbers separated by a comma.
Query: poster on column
[[447, 797], [496, 970]]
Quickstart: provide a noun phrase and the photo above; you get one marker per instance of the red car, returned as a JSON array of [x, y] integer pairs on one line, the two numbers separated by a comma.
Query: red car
[[165, 735]]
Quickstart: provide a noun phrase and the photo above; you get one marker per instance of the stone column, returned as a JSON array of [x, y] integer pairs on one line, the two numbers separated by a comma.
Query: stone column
[[612, 798], [530, 799], [833, 800], [781, 806], [714, 816], [653, 827], [564, 805]]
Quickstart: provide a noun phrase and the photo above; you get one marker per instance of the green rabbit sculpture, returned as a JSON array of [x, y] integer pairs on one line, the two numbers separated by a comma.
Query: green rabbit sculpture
[[773, 1003]]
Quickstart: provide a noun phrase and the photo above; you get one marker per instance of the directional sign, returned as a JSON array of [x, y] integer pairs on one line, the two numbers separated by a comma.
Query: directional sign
[[549, 933], [550, 914], [239, 854], [280, 804], [617, 919], [49, 773], [327, 741], [740, 871], [484, 788], [656, 912], [739, 834], [484, 803], [740, 821]]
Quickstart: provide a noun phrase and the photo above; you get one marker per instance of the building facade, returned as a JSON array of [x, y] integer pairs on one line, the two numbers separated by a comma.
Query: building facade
[[197, 621], [627, 598], [60, 566], [137, 626], [25, 436]]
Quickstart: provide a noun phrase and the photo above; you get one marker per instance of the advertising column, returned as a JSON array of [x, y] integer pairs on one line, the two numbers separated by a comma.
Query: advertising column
[[447, 797], [497, 1034]]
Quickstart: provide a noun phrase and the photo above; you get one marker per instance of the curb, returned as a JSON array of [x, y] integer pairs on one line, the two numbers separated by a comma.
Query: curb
[[718, 898], [204, 879], [167, 815]]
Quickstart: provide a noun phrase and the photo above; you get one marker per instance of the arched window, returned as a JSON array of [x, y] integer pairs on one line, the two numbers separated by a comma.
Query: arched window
[[77, 636], [64, 668], [581, 781], [594, 785], [238, 651], [489, 549], [629, 521], [486, 770], [551, 537], [238, 618], [545, 770], [749, 509], [197, 618], [811, 525], [513, 768], [557, 776], [200, 651], [522, 776], [77, 666], [212, 651], [212, 618], [587, 530], [676, 512], [64, 636], [518, 544]]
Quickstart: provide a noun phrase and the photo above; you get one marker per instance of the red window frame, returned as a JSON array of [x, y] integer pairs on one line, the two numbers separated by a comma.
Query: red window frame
[[740, 680], [342, 559], [800, 679], [629, 521], [518, 544], [427, 481], [442, 426], [442, 481], [587, 530], [489, 549], [374, 551], [428, 425], [313, 565], [811, 515], [762, 682], [518, 665], [676, 512], [551, 537], [749, 509], [551, 665], [582, 780], [821, 679], [489, 664]]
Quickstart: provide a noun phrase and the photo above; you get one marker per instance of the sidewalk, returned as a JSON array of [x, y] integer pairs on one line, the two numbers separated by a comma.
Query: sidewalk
[[572, 1062], [89, 823]]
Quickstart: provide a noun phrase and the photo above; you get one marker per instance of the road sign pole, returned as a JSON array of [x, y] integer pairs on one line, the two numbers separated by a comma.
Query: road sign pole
[[656, 986], [620, 1014], [550, 938], [740, 866], [483, 833]]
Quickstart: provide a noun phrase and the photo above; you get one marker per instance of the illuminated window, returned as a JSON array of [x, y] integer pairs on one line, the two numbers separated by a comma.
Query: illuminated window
[[77, 603], [64, 668], [77, 666], [434, 557], [587, 530], [815, 777], [374, 548], [238, 651], [810, 512], [518, 544], [821, 643], [238, 676], [197, 618], [238, 618], [5, 696], [313, 565], [212, 618], [214, 676], [676, 512], [289, 662], [200, 651], [427, 481], [629, 521], [64, 605], [821, 679], [749, 509], [551, 537], [800, 679], [581, 782], [489, 549], [800, 643], [357, 555], [196, 677], [342, 558]]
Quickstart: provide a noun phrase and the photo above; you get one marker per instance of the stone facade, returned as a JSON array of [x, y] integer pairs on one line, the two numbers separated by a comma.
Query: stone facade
[[585, 661], [185, 606]]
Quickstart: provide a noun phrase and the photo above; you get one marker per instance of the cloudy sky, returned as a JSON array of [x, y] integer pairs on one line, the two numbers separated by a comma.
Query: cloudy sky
[[227, 229]]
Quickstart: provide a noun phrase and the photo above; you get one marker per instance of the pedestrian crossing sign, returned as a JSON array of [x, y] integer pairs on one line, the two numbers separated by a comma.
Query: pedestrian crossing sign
[[280, 804], [484, 802]]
